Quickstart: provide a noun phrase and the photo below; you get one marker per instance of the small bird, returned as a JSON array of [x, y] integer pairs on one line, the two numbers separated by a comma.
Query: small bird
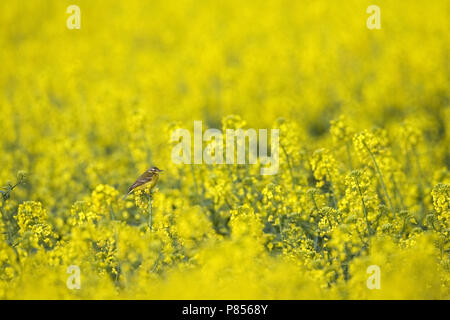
[[147, 179]]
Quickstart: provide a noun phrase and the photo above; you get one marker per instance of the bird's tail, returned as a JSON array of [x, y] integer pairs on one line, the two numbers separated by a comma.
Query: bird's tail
[[125, 196]]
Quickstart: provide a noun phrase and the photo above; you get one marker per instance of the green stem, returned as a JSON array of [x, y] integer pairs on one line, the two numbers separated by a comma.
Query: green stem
[[332, 189], [289, 165], [364, 208], [111, 212], [381, 177], [149, 196], [398, 193], [195, 182], [314, 201], [420, 183]]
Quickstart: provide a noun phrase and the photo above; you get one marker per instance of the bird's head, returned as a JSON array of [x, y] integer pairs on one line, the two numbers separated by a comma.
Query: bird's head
[[154, 170]]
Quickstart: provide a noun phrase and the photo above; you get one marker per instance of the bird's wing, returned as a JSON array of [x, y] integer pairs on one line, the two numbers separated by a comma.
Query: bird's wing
[[143, 179]]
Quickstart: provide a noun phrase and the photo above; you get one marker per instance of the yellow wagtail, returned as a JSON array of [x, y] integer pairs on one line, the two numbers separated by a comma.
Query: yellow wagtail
[[147, 179]]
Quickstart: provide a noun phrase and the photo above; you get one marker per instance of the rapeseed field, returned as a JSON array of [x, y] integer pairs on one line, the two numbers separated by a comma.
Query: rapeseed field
[[358, 209]]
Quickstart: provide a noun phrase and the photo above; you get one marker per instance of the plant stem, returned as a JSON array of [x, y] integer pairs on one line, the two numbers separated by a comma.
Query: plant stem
[[314, 201], [333, 194], [420, 183], [195, 181], [149, 196], [397, 191], [289, 165], [111, 213], [381, 177], [364, 208]]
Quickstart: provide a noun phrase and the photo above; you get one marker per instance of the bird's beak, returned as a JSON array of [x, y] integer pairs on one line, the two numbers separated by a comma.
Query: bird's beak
[[161, 170]]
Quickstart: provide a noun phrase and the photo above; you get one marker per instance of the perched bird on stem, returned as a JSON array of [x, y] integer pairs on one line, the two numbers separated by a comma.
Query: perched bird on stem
[[147, 180]]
